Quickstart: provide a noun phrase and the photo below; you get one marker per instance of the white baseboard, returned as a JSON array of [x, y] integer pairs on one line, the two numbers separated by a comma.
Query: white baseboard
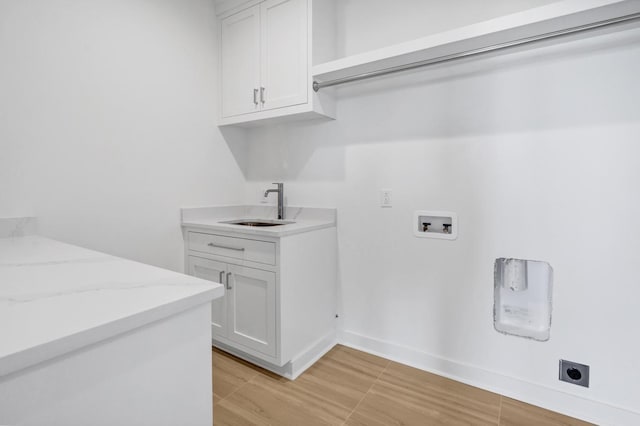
[[313, 354], [294, 368], [581, 408]]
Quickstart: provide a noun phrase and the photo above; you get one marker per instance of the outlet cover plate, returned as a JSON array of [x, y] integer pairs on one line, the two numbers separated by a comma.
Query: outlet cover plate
[[386, 198], [574, 373]]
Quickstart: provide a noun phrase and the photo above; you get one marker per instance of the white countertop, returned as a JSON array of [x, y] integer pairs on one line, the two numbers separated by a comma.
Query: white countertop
[[305, 219], [56, 298]]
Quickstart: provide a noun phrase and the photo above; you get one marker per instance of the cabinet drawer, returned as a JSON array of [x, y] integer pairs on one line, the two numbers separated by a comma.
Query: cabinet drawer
[[237, 248]]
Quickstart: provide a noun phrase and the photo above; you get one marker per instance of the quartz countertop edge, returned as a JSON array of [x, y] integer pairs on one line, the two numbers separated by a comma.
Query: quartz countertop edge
[[210, 218], [52, 349], [57, 298]]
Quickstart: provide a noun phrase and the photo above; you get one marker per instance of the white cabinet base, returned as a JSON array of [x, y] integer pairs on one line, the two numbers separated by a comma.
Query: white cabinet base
[[281, 316], [292, 369], [157, 375]]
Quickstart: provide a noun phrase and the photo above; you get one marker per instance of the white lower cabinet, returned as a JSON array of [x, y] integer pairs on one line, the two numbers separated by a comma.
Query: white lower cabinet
[[279, 306], [252, 308], [212, 271], [246, 314]]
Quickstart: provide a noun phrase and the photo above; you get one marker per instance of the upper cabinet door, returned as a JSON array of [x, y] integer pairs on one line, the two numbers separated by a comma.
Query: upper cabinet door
[[240, 62], [284, 53]]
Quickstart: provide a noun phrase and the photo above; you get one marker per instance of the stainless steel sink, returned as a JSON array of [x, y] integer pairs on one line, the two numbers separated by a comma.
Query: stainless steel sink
[[258, 222]]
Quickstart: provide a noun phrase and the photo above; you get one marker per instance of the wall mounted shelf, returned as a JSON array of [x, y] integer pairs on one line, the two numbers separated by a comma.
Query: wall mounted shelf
[[530, 23]]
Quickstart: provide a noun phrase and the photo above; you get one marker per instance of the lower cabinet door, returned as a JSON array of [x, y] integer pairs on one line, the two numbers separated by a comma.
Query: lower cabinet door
[[251, 305], [217, 272]]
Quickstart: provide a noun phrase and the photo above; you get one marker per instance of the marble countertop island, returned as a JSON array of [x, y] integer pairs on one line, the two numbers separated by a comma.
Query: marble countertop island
[[56, 298]]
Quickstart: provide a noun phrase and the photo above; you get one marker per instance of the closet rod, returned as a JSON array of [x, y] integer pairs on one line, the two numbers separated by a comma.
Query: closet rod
[[475, 52]]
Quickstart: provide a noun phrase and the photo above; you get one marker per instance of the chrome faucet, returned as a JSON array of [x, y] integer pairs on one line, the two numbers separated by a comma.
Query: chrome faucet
[[280, 192]]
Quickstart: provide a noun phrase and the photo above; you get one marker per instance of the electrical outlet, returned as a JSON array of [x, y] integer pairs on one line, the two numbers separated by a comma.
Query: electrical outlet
[[385, 198], [574, 373]]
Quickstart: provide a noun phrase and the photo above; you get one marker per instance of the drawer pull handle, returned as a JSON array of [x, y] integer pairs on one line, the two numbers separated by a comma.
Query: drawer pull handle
[[221, 276], [226, 247]]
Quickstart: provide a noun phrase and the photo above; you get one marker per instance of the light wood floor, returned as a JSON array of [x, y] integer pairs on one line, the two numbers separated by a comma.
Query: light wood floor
[[349, 387]]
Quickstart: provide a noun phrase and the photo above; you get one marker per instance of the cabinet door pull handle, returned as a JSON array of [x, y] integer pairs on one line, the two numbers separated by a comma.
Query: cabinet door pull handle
[[229, 287], [255, 96], [221, 277], [226, 247], [262, 95]]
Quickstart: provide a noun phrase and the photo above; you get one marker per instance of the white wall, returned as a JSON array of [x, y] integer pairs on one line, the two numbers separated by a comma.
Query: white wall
[[107, 121], [106, 129], [538, 152]]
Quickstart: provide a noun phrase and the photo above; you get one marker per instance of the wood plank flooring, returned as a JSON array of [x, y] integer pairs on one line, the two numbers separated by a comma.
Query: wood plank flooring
[[350, 387]]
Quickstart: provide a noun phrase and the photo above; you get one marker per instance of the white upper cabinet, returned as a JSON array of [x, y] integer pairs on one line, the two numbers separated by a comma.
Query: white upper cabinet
[[283, 39], [240, 62], [266, 52]]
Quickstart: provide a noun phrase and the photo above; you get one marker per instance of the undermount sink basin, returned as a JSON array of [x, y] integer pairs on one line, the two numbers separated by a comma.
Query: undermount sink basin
[[258, 222]]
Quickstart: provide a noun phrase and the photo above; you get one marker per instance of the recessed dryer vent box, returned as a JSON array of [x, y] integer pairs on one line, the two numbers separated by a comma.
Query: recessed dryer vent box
[[435, 224], [522, 298]]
